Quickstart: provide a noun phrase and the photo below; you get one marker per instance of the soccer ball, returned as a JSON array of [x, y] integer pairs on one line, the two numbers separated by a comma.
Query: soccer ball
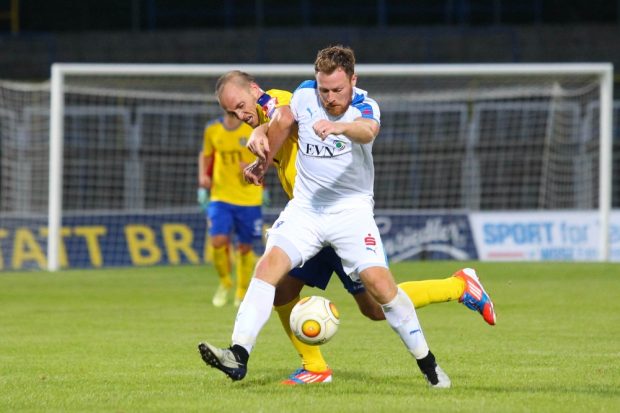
[[314, 320]]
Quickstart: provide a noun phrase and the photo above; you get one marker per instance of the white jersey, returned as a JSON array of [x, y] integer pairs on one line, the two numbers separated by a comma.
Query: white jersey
[[335, 173]]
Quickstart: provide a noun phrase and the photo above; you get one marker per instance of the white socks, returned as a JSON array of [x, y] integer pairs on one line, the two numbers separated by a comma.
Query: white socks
[[253, 313], [401, 316]]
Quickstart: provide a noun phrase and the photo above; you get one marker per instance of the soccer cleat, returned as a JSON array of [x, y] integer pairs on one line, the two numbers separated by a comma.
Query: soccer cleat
[[434, 375], [231, 361], [474, 297], [303, 376], [221, 296]]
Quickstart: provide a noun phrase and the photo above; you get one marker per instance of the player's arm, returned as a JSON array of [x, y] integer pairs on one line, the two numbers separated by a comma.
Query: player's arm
[[204, 165], [361, 130], [280, 127], [267, 139]]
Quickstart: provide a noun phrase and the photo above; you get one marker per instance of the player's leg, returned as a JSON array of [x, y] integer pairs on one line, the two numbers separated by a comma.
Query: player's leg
[[356, 239], [251, 317], [401, 316], [315, 272], [464, 286], [220, 225], [248, 222], [290, 241], [245, 260]]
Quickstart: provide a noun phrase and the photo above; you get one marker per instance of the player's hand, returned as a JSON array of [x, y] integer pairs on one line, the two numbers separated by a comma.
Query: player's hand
[[324, 128], [203, 197], [205, 181], [258, 144], [254, 173]]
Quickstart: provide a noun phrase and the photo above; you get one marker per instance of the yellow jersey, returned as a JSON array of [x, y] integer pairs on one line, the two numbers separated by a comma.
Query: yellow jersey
[[285, 158], [230, 157]]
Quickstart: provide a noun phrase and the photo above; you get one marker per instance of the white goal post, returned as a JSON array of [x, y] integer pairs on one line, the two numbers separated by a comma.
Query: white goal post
[[461, 78]]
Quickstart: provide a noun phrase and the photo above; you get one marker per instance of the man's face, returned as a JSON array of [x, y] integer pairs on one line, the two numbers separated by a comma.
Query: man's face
[[335, 91], [241, 102]]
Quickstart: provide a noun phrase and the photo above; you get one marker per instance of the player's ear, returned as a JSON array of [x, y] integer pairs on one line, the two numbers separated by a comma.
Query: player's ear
[[256, 90], [353, 79]]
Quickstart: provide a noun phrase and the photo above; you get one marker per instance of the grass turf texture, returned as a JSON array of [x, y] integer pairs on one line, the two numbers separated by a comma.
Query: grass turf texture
[[124, 340]]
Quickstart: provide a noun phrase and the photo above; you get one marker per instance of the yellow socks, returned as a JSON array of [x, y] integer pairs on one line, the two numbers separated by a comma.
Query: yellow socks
[[311, 357], [221, 262], [427, 292], [244, 268]]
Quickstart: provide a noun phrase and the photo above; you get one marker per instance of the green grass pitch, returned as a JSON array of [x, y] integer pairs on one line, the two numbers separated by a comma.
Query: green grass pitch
[[124, 340]]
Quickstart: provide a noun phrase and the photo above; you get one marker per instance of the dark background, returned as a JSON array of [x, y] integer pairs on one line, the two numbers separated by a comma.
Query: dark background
[[88, 15], [40, 32]]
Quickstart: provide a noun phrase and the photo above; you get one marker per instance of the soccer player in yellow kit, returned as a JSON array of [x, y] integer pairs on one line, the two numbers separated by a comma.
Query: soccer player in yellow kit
[[239, 94], [234, 204]]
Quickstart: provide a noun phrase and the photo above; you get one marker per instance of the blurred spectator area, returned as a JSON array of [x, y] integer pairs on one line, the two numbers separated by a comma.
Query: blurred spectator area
[[289, 31]]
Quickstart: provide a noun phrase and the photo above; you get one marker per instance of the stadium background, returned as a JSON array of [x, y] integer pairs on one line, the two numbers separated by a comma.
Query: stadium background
[[38, 33]]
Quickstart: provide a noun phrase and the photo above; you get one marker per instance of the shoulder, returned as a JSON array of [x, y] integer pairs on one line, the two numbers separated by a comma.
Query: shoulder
[[282, 95], [273, 99], [306, 84], [367, 107], [304, 92], [213, 124]]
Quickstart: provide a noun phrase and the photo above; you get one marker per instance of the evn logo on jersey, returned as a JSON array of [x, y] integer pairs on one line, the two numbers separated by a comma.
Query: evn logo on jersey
[[317, 150], [324, 151]]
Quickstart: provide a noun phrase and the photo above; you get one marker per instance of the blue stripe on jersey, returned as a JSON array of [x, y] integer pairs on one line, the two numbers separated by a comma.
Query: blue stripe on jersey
[[262, 101], [307, 84], [364, 108]]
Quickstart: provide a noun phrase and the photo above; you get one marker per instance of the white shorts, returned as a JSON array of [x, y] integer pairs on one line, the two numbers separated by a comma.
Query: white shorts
[[353, 234]]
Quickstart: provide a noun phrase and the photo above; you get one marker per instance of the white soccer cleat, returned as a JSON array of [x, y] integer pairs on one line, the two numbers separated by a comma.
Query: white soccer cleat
[[443, 381], [221, 296]]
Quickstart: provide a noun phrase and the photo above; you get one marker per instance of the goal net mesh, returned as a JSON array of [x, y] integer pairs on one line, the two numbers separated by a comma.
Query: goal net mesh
[[493, 142]]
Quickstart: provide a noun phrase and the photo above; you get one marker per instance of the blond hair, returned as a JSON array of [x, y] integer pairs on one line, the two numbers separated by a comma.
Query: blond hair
[[238, 77]]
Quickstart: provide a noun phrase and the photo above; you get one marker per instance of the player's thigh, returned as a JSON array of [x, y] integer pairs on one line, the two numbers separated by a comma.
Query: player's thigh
[[220, 215], [295, 232], [248, 223], [356, 239]]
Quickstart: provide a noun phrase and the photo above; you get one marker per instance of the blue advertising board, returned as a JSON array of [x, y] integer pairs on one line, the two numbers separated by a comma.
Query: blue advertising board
[[105, 240]]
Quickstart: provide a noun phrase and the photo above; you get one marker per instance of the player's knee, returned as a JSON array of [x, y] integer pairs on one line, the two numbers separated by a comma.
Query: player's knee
[[382, 288], [245, 248], [272, 266], [219, 241]]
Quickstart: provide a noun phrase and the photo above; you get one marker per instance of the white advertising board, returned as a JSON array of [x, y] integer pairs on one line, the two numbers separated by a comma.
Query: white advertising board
[[541, 236]]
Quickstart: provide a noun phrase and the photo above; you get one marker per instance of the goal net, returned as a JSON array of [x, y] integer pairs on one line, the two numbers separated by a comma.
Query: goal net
[[124, 141]]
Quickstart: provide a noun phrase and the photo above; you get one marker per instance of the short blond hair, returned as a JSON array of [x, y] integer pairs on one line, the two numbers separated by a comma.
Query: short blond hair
[[238, 77], [334, 57]]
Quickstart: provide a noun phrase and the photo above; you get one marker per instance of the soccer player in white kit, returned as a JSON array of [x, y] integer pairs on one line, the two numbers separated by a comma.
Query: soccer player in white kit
[[332, 205]]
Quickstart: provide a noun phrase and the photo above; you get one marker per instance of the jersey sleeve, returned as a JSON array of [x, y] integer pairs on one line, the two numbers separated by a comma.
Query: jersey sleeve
[[367, 107]]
